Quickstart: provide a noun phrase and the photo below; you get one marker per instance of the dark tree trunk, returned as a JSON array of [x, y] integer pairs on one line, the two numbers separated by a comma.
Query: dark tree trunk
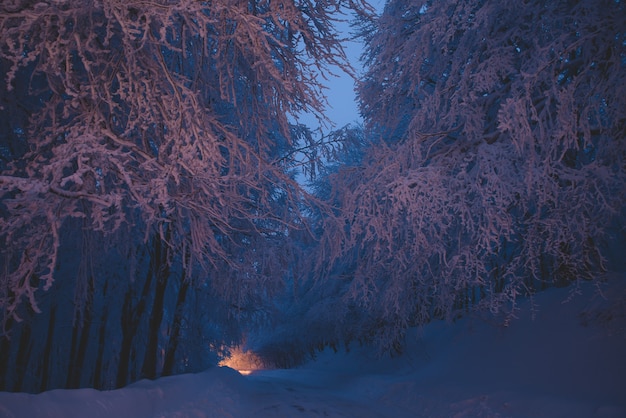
[[129, 322], [127, 339], [23, 357], [47, 352], [98, 376], [5, 353], [172, 343], [80, 340], [160, 260]]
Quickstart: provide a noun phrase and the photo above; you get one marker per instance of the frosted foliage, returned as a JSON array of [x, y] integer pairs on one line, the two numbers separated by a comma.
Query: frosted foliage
[[159, 115], [500, 167]]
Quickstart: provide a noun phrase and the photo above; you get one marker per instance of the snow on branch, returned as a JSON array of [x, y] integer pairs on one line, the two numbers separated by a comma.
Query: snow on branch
[[499, 168], [157, 113]]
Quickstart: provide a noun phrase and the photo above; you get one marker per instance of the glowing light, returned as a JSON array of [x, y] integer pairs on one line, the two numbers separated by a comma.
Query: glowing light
[[244, 361]]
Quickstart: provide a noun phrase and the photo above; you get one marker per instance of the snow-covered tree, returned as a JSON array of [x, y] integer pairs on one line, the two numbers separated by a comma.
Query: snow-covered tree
[[500, 164], [163, 129], [163, 112]]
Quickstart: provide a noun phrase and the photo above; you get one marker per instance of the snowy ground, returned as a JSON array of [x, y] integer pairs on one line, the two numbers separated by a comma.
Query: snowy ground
[[569, 362]]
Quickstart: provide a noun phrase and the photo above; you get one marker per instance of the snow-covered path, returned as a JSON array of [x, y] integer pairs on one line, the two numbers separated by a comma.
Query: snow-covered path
[[283, 393], [568, 362]]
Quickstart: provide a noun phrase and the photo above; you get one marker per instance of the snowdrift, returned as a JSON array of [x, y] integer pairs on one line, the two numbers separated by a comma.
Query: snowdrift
[[567, 361]]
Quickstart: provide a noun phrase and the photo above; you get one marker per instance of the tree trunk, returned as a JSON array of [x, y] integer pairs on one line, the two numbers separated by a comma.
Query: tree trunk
[[23, 357], [129, 322], [80, 340], [47, 352], [160, 260], [5, 353], [98, 376], [172, 343]]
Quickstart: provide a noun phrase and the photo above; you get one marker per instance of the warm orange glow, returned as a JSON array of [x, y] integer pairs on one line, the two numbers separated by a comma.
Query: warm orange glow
[[245, 362]]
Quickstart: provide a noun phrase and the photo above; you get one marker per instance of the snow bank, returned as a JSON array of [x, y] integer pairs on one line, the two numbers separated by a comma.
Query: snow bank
[[567, 362]]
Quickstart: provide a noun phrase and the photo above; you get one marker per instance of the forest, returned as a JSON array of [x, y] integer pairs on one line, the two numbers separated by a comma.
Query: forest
[[161, 204]]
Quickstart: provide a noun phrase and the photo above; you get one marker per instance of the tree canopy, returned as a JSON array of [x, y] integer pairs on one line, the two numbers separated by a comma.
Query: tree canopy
[[169, 115], [158, 136], [499, 164]]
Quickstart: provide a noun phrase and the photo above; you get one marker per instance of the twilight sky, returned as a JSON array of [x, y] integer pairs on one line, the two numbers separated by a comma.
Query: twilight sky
[[341, 96]]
